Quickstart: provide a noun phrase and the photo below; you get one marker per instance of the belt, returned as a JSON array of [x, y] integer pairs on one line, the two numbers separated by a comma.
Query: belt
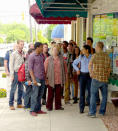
[[84, 73]]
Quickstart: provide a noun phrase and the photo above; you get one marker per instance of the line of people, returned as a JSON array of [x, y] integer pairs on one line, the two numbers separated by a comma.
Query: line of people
[[59, 69]]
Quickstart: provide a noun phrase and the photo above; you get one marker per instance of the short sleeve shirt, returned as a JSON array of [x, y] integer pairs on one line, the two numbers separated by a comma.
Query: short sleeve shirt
[[7, 57]]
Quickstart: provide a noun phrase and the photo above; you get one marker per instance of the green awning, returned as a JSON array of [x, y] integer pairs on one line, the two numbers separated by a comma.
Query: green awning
[[63, 8]]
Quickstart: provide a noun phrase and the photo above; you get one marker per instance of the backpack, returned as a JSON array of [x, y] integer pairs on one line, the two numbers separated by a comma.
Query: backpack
[[21, 73]]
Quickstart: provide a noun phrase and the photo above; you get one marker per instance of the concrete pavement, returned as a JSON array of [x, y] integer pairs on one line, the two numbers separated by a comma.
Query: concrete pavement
[[68, 120]]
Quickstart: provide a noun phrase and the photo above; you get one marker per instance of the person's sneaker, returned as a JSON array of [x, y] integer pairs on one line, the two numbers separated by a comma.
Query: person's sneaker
[[33, 113], [12, 108], [75, 102], [41, 112], [81, 112], [62, 97], [26, 108], [73, 98], [67, 103], [44, 102], [92, 116], [49, 109], [86, 104], [20, 106], [97, 103], [100, 115], [60, 108]]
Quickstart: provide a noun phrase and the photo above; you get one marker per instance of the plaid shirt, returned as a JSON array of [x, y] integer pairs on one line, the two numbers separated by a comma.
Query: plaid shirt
[[99, 67]]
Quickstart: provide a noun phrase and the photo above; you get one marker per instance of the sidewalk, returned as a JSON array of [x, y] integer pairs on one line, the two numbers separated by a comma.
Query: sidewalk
[[68, 120]]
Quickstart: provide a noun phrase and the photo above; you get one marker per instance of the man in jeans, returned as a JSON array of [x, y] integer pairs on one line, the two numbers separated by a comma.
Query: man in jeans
[[37, 73], [99, 68], [16, 60], [6, 65], [90, 43]]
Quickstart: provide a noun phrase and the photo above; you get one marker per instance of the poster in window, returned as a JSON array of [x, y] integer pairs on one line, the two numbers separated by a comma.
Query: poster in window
[[115, 60]]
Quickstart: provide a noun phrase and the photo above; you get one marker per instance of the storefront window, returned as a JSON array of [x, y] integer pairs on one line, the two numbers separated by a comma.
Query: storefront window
[[105, 28]]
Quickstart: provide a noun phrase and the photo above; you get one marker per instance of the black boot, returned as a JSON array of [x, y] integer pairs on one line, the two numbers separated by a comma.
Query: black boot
[[43, 102], [75, 100]]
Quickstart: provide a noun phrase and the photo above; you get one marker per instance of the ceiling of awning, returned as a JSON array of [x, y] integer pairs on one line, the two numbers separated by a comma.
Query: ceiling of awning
[[63, 8], [36, 14]]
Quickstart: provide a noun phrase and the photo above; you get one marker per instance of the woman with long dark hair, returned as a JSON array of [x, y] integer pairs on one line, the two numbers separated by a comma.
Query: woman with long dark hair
[[76, 54], [83, 71]]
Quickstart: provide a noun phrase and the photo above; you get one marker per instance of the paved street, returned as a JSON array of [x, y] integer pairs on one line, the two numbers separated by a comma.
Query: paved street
[[68, 120]]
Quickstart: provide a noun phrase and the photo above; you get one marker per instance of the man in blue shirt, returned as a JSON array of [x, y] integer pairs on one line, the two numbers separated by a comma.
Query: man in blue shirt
[[83, 71], [6, 65], [6, 61]]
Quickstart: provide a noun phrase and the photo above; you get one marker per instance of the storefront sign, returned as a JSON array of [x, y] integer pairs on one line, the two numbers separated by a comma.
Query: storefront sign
[[115, 60]]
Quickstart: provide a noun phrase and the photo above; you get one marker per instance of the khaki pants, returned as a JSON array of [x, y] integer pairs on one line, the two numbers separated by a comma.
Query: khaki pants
[[67, 91], [75, 82]]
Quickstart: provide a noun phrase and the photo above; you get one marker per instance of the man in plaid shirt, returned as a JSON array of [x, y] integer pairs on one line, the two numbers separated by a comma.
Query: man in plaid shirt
[[99, 68]]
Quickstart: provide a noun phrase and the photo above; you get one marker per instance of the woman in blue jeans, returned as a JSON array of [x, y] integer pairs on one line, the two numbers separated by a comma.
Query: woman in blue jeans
[[85, 80]]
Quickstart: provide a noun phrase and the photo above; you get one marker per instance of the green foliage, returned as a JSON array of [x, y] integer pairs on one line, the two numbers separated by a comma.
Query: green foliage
[[49, 31], [14, 32], [14, 35], [41, 38], [1, 40]]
